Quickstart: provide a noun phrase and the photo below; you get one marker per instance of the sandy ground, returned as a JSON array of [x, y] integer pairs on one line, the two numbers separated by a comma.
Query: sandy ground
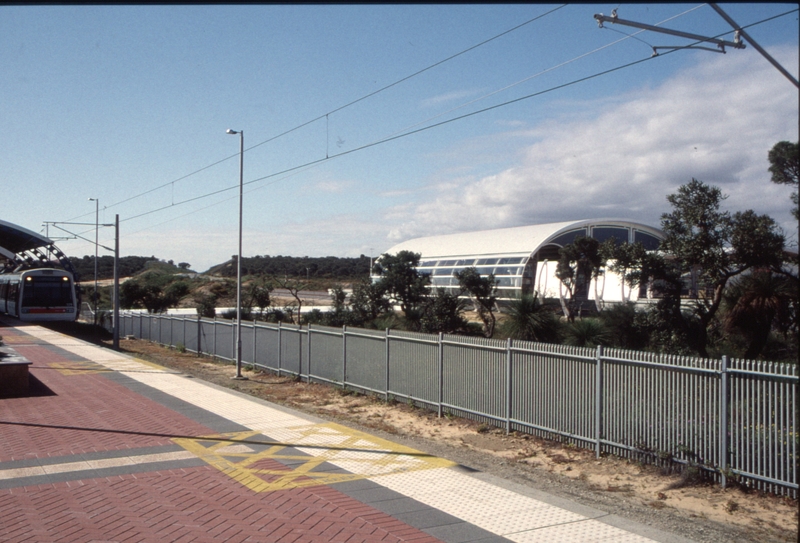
[[733, 514]]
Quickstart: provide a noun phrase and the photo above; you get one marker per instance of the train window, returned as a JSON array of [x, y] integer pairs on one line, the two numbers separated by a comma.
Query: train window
[[46, 291]]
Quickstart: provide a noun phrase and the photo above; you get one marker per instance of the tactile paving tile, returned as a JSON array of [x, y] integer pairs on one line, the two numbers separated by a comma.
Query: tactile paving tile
[[588, 531]]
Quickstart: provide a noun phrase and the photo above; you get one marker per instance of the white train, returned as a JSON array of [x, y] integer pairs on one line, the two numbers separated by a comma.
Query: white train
[[45, 294]]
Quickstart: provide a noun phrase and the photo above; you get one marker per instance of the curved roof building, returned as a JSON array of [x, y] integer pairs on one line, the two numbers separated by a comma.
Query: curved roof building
[[523, 258]]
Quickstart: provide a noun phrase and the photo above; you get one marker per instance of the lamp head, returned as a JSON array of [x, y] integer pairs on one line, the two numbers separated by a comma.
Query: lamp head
[[230, 131]]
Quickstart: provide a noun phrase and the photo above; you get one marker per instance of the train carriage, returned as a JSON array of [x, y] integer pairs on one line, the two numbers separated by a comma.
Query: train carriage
[[39, 295]]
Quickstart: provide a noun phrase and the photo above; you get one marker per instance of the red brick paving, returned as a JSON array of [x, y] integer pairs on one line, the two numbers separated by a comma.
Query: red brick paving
[[197, 504]]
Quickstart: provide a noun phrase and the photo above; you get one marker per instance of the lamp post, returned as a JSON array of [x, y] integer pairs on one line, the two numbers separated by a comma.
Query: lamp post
[[239, 260], [96, 244]]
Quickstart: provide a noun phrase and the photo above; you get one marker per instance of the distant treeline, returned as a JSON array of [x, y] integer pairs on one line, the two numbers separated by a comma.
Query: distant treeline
[[299, 266], [128, 266], [303, 266]]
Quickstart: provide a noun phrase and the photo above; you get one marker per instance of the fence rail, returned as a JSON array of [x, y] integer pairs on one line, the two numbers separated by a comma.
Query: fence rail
[[732, 418]]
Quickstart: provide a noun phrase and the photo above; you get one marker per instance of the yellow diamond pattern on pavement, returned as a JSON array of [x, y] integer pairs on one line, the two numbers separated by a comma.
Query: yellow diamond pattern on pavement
[[78, 367], [238, 455]]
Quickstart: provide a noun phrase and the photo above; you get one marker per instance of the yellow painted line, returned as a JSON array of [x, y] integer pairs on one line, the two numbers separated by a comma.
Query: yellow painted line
[[77, 367], [363, 455], [86, 465]]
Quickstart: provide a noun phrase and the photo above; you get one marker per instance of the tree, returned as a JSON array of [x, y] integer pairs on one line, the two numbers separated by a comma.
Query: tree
[[368, 301], [206, 305], [258, 294], [757, 302], [711, 247], [622, 259], [155, 291], [784, 159], [442, 312], [530, 320], [294, 287], [402, 283], [587, 333], [625, 326], [578, 263], [481, 291]]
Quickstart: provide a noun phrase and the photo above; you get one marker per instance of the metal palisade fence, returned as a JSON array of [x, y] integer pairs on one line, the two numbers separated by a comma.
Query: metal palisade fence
[[735, 419]]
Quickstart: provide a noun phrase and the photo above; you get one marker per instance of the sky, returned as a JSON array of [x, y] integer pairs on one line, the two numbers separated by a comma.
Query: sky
[[368, 125]]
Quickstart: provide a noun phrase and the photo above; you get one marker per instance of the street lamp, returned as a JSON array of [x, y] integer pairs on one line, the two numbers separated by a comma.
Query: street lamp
[[239, 260], [96, 244]]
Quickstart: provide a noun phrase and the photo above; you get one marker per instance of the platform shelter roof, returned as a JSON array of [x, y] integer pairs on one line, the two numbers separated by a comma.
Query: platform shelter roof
[[22, 247], [17, 239]]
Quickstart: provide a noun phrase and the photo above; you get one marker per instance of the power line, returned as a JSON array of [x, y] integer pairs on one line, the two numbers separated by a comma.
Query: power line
[[340, 108], [312, 163]]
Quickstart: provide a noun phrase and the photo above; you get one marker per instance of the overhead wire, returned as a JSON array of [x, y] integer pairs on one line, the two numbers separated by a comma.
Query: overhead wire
[[552, 68], [405, 132], [312, 163], [340, 108]]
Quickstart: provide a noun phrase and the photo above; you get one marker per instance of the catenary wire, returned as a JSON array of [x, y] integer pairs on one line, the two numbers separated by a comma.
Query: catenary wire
[[391, 138], [340, 108]]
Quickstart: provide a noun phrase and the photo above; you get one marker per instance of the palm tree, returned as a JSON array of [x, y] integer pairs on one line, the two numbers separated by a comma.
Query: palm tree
[[587, 333], [530, 320], [756, 303]]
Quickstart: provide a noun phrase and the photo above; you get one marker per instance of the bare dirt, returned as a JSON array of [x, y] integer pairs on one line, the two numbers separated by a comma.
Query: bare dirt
[[677, 503]]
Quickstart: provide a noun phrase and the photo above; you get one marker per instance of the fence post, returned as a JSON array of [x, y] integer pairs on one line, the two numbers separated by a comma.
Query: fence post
[[255, 331], [214, 352], [344, 356], [723, 421], [508, 386], [308, 350], [199, 335], [387, 364], [598, 401], [300, 351], [280, 349], [441, 374]]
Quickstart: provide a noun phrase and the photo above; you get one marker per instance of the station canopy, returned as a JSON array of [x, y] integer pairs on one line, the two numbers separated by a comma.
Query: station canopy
[[516, 256], [23, 248]]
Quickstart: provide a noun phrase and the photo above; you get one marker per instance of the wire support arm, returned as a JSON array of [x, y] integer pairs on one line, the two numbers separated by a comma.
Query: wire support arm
[[600, 18]]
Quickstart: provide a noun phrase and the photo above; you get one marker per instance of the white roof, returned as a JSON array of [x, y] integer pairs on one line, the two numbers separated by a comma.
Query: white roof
[[518, 240]]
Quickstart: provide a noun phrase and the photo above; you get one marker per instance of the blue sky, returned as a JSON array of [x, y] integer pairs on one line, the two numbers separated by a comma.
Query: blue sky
[[130, 104]]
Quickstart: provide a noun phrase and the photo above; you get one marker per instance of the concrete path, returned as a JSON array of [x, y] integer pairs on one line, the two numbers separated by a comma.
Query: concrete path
[[109, 448]]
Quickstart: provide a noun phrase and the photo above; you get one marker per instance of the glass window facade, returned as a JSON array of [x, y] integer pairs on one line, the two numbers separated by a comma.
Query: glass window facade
[[508, 271], [519, 271], [602, 233]]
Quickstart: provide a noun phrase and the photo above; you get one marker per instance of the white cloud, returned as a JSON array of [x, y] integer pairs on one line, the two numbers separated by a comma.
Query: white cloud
[[715, 122], [333, 186], [447, 98]]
